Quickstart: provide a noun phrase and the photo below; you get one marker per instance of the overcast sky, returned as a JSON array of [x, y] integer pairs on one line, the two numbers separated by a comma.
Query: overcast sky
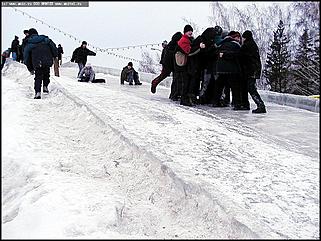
[[109, 24]]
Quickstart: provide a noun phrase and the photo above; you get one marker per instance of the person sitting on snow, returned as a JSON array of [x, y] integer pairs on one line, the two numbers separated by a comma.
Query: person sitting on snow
[[87, 74], [129, 74]]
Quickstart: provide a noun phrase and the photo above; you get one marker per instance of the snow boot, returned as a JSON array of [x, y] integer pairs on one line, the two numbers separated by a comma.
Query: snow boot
[[138, 83], [37, 95], [260, 109], [45, 89], [153, 87]]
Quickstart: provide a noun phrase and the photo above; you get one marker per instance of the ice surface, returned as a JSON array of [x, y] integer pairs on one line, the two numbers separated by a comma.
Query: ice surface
[[112, 161]]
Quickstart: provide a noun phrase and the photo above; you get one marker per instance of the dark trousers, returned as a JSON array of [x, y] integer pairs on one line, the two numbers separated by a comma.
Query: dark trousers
[[234, 81], [42, 74], [176, 86], [207, 88], [185, 81], [253, 92], [165, 73]]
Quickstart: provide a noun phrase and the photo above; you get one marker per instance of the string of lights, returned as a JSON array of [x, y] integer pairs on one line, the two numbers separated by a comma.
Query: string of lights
[[108, 51]]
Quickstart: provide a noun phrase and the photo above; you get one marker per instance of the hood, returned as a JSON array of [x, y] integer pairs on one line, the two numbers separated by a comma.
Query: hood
[[34, 39], [177, 36]]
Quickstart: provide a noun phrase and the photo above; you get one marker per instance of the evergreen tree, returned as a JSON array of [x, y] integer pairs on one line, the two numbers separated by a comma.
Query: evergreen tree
[[303, 66], [278, 61]]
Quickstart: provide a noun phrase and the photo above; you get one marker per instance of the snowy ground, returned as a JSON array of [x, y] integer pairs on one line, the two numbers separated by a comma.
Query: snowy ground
[[112, 161]]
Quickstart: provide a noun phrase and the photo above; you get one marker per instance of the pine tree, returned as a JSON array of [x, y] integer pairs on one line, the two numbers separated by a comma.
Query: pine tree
[[303, 66], [278, 61]]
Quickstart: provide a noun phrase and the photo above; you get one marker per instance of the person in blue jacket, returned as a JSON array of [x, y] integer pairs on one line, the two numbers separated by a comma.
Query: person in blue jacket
[[38, 57]]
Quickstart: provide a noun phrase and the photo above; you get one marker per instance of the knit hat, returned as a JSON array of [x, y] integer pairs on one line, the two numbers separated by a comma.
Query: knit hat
[[25, 31], [247, 34], [84, 42], [130, 64], [32, 31], [188, 28], [218, 30], [234, 34]]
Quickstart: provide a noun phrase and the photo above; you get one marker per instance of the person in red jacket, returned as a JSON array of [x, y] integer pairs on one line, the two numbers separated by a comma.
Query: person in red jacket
[[181, 60]]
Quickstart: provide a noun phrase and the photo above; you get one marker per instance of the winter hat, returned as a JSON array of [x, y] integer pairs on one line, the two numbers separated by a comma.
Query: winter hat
[[188, 28], [247, 34], [25, 31], [130, 64], [234, 34], [32, 31], [16, 37], [88, 64], [84, 42], [164, 42], [218, 30]]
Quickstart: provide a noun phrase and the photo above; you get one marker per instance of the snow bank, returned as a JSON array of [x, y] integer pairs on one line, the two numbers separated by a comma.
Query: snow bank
[[297, 101], [69, 174]]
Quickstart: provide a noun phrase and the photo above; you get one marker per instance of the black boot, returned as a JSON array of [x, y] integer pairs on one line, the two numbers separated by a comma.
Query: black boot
[[260, 109]]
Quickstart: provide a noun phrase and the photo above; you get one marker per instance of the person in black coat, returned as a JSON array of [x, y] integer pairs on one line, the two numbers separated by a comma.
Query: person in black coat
[[15, 48], [24, 40], [208, 58], [60, 53], [166, 61], [251, 68], [38, 57], [80, 55], [228, 69]]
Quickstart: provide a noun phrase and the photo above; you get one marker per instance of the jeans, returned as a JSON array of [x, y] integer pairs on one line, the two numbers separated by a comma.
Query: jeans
[[81, 66], [14, 56]]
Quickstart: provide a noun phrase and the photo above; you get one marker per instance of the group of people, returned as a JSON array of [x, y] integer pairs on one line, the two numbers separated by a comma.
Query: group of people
[[207, 68]]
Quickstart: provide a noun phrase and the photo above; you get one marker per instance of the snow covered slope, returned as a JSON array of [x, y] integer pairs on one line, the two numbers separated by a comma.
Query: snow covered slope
[[111, 161]]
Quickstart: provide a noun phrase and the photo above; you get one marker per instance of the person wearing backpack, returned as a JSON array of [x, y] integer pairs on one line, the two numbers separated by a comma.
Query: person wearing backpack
[[38, 57], [181, 59]]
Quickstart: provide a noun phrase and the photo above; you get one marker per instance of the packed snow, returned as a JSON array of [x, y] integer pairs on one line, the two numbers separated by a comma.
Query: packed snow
[[108, 161]]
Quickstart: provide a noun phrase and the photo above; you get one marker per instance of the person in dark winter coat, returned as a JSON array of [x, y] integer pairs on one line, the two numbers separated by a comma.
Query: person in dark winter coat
[[207, 60], [251, 67], [15, 48], [60, 53], [80, 55], [176, 86], [129, 74], [229, 70], [4, 56], [24, 41], [165, 71], [164, 44], [38, 57]]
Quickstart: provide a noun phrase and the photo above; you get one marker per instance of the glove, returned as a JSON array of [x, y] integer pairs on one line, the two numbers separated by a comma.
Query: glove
[[72, 60]]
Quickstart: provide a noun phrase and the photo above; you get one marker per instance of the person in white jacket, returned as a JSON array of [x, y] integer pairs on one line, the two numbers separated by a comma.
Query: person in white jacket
[[87, 74]]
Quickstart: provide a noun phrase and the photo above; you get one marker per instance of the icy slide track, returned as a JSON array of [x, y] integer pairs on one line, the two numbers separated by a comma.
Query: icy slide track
[[86, 176]]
